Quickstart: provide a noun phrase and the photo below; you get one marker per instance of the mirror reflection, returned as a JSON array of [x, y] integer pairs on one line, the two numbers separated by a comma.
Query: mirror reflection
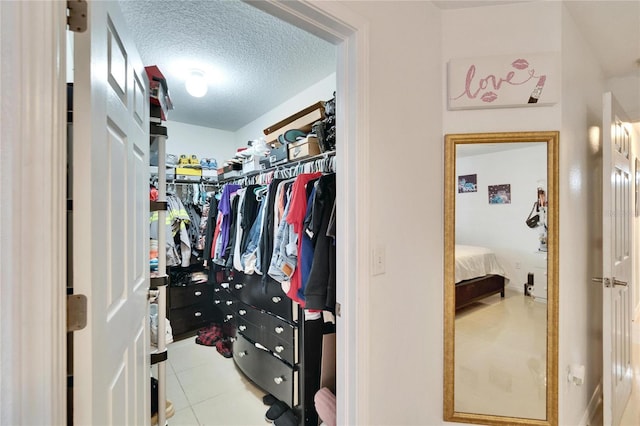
[[500, 281]]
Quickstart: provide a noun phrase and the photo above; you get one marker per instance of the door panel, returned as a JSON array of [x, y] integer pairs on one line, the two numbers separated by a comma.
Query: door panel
[[617, 262], [111, 210]]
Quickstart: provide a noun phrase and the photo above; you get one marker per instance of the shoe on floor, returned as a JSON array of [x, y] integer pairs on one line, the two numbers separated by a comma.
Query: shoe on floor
[[269, 399], [276, 410], [209, 335], [288, 418], [224, 348]]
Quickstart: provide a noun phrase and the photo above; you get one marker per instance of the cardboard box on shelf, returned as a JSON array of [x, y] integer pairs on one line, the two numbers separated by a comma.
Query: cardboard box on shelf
[[232, 174], [303, 148], [302, 120], [278, 155], [210, 174], [185, 171], [251, 164]]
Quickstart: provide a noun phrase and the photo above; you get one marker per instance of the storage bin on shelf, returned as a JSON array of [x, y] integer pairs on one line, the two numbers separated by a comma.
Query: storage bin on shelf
[[302, 120]]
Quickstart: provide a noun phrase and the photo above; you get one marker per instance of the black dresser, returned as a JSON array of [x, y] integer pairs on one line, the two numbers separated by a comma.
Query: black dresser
[[189, 308], [268, 344]]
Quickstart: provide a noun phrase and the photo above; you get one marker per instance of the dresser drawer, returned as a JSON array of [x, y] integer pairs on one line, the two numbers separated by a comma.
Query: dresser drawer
[[283, 349], [278, 327], [267, 296], [267, 329], [179, 297], [267, 371], [191, 317], [251, 331]]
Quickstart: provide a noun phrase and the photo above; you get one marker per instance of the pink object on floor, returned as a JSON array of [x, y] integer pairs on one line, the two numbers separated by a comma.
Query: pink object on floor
[[325, 402]]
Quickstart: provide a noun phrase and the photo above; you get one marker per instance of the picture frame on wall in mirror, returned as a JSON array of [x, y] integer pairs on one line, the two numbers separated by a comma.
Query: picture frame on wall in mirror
[[467, 183]]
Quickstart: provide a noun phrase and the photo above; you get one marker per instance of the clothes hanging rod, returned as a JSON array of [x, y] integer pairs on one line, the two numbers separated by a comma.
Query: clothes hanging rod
[[280, 167]]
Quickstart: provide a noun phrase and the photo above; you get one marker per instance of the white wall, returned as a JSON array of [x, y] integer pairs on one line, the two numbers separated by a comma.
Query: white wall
[[205, 142], [500, 30], [405, 144], [580, 223], [626, 89], [321, 91], [501, 227]]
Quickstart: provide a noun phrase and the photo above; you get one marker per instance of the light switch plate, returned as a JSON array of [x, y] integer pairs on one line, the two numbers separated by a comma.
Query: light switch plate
[[378, 260]]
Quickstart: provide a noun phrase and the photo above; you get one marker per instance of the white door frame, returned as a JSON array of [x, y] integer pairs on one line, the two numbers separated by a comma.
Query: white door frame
[[33, 188], [33, 216], [350, 32]]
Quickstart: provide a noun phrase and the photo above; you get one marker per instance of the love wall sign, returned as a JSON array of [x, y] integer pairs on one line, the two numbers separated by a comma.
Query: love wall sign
[[503, 81]]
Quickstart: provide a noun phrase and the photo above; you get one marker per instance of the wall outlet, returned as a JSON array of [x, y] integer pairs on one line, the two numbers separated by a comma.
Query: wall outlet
[[518, 265]]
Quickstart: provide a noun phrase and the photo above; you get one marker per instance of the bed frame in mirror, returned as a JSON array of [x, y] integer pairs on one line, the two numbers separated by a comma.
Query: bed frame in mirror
[[551, 138]]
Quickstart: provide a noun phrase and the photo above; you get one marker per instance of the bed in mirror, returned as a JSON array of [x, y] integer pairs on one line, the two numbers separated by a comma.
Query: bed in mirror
[[500, 278]]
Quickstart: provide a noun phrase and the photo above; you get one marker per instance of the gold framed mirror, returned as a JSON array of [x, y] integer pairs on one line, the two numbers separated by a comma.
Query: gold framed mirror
[[501, 278]]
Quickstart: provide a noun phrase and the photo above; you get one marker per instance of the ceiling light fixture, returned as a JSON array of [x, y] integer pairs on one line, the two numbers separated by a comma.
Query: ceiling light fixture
[[196, 84]]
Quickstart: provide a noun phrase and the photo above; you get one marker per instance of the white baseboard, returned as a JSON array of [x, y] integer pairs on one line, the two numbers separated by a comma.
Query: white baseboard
[[591, 412]]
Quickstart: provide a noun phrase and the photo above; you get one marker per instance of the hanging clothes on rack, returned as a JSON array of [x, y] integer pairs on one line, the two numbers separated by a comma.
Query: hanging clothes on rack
[[221, 236], [295, 219], [179, 244], [319, 286], [276, 226]]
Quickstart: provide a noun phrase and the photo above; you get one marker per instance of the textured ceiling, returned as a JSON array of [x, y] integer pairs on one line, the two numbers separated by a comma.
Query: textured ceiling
[[263, 60], [266, 61]]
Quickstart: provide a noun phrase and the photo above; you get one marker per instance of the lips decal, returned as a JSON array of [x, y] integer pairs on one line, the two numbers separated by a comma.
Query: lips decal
[[489, 97], [520, 64]]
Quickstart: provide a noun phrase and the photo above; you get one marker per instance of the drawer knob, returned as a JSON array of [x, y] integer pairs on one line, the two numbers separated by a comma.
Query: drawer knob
[[228, 317], [242, 327], [197, 293], [276, 299], [229, 302], [217, 301], [242, 312], [242, 354], [278, 380], [238, 286], [198, 314], [279, 348], [279, 329]]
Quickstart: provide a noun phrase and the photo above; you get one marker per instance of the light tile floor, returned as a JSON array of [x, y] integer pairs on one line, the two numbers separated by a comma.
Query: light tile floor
[[500, 347], [208, 389]]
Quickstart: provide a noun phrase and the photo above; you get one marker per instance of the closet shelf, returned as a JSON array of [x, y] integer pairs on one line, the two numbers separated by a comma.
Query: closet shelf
[[157, 357], [160, 281], [156, 206], [284, 166]]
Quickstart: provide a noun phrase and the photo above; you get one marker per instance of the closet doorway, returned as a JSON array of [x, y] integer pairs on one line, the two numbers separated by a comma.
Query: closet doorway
[[346, 104]]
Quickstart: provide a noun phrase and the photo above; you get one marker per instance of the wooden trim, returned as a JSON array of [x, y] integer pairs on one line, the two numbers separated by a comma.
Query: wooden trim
[[33, 222]]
